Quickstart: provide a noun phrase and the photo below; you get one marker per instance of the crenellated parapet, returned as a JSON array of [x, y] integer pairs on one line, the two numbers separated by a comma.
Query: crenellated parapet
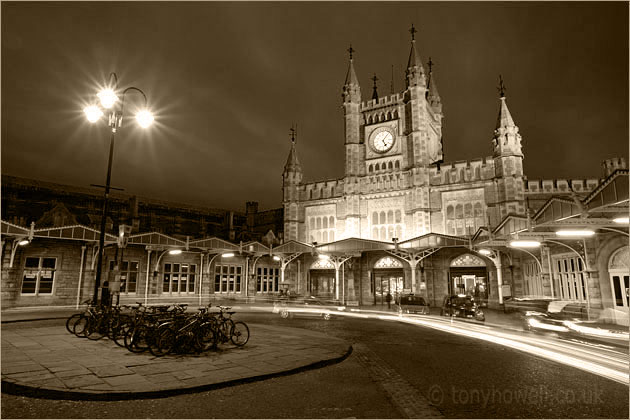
[[385, 101], [560, 186], [462, 171], [321, 190]]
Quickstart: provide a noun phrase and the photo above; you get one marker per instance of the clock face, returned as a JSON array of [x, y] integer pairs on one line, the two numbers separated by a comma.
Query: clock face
[[383, 141]]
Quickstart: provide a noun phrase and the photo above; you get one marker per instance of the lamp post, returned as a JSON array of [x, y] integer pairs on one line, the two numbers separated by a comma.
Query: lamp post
[[109, 99]]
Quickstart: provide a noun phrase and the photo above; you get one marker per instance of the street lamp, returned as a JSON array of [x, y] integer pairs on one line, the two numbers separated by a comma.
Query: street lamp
[[108, 101]]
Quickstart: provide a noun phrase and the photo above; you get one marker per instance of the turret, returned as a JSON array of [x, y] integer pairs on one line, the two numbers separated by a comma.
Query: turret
[[292, 175], [291, 181], [507, 151], [352, 118], [508, 161]]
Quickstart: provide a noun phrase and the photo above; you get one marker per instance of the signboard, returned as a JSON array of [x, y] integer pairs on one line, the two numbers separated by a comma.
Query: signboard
[[506, 289]]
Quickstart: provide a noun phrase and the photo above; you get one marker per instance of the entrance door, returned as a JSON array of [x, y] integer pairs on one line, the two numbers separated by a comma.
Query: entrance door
[[619, 269], [620, 283], [470, 281], [388, 283]]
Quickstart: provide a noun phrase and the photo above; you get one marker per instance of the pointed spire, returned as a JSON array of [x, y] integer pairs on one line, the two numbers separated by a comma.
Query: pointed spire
[[505, 118], [293, 165], [415, 71], [374, 93], [432, 94], [351, 77], [414, 57]]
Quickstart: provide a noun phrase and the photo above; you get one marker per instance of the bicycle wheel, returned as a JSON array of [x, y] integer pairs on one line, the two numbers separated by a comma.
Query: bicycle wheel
[[206, 337], [135, 339], [71, 321], [95, 329], [162, 341], [79, 327], [120, 329], [239, 334]]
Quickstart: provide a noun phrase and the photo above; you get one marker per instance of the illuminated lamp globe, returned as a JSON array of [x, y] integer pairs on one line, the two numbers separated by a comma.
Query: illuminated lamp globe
[[227, 255], [93, 113], [485, 251], [575, 233], [108, 98], [621, 220], [144, 118], [175, 251], [524, 244]]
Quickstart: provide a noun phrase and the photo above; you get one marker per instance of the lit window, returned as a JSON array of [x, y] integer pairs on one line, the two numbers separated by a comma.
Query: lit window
[[179, 278], [39, 276]]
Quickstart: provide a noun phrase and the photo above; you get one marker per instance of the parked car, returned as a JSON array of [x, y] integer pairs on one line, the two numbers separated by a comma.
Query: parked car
[[310, 306], [462, 306], [411, 304]]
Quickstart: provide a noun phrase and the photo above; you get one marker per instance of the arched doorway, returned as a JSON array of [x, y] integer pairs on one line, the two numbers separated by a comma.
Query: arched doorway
[[321, 279], [619, 272], [388, 278], [468, 275]]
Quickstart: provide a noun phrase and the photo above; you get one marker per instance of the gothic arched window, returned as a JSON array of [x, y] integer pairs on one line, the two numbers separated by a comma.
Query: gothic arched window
[[325, 223], [382, 218], [390, 216], [375, 218], [459, 211], [468, 210], [319, 223], [390, 166], [397, 165], [370, 169], [398, 218], [450, 213], [478, 210], [399, 232], [331, 222]]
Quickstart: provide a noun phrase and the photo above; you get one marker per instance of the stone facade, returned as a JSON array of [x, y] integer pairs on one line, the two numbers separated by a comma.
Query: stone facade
[[397, 186]]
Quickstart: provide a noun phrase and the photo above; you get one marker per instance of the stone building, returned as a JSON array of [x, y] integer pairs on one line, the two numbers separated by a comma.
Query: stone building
[[50, 238], [401, 220]]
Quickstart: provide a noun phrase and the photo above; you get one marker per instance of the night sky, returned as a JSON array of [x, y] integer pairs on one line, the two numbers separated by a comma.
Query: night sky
[[227, 80]]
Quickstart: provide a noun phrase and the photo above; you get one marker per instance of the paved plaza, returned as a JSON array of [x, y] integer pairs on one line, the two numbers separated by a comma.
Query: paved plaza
[[50, 362]]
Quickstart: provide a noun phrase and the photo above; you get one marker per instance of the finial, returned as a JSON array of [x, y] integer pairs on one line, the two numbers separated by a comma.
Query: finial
[[413, 32], [392, 83], [293, 133], [375, 93], [501, 87], [351, 50], [430, 63]]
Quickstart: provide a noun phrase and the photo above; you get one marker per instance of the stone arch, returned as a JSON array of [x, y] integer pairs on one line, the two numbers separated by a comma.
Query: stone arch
[[390, 166], [620, 260], [370, 168], [397, 165]]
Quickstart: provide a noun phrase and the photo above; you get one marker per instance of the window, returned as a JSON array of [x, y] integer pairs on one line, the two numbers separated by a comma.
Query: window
[[267, 279], [227, 278], [128, 275], [179, 278], [39, 276], [569, 278]]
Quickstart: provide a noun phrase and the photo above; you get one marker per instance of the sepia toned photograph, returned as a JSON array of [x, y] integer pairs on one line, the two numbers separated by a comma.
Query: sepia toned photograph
[[285, 209]]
